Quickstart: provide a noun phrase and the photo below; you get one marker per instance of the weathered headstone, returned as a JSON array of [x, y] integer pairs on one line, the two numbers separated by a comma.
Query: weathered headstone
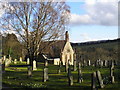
[[15, 61], [99, 78], [93, 80], [80, 79], [34, 65], [45, 74], [74, 66], [29, 71], [28, 61], [20, 59]]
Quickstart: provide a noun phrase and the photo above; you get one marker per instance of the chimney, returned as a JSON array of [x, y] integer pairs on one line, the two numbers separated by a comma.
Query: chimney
[[66, 36]]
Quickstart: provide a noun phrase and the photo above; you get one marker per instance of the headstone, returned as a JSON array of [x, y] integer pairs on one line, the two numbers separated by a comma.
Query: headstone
[[112, 79], [45, 74], [93, 79], [99, 78], [89, 63], [46, 63], [74, 66], [105, 63], [15, 61], [69, 72], [101, 63], [70, 77], [80, 79], [59, 71], [66, 67], [34, 65], [29, 71], [111, 73], [3, 67], [70, 81], [4, 58], [20, 59], [28, 61]]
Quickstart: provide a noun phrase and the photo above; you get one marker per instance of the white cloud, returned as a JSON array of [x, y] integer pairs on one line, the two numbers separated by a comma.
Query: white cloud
[[98, 13]]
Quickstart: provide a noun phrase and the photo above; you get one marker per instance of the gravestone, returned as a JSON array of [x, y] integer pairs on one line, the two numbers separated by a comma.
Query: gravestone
[[15, 61], [93, 80], [80, 79], [46, 63], [59, 71], [66, 67], [69, 71], [34, 65], [3, 67], [111, 73], [70, 77], [29, 71], [20, 59], [45, 74], [4, 58], [105, 63], [74, 66], [70, 81], [89, 63], [99, 78], [28, 61]]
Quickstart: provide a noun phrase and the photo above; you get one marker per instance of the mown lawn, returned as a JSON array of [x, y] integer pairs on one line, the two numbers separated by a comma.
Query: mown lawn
[[16, 77]]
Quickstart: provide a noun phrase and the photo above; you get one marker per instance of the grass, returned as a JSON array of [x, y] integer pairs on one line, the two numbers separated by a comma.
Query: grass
[[16, 77]]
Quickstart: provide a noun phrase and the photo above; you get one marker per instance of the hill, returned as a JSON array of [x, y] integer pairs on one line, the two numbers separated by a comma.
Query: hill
[[104, 49]]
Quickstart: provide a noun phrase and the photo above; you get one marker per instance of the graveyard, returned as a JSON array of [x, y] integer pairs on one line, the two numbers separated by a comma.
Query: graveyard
[[16, 76], [37, 53]]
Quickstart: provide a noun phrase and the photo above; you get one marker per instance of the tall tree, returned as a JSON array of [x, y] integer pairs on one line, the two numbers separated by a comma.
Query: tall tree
[[37, 22]]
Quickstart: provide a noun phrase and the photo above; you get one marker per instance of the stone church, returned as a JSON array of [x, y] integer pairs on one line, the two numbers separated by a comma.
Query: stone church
[[60, 50], [67, 53]]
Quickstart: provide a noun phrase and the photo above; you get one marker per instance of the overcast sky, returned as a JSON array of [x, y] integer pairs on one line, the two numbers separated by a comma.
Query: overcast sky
[[93, 20]]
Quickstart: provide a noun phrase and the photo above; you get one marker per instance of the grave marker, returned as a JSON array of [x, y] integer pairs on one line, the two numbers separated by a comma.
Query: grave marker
[[45, 74], [74, 66], [93, 79], [99, 78], [34, 65], [28, 61], [29, 71]]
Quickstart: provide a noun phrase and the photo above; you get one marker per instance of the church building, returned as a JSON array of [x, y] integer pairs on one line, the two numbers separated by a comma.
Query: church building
[[60, 50]]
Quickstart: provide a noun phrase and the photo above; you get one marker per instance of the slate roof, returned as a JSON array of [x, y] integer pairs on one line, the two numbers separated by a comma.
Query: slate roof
[[54, 50]]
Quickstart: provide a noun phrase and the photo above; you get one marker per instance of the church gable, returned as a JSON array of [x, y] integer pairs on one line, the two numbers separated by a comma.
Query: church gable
[[68, 48]]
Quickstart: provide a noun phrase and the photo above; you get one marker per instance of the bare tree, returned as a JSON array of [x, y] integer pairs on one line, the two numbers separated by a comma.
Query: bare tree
[[36, 23]]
